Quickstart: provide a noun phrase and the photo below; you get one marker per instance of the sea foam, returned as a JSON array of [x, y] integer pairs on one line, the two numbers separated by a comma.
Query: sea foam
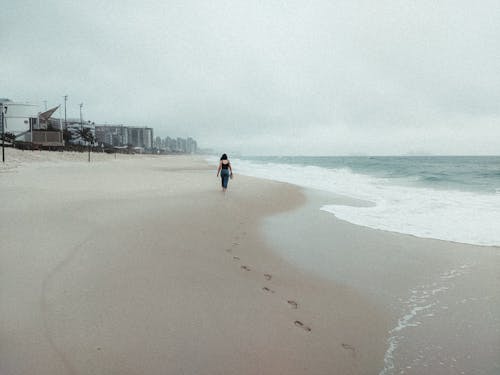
[[451, 215]]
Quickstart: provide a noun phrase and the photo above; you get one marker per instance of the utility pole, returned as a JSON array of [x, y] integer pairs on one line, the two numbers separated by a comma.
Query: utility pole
[[65, 122], [4, 111], [81, 121]]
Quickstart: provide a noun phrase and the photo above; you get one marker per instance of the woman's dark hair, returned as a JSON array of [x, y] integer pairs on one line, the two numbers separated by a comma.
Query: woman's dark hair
[[223, 157]]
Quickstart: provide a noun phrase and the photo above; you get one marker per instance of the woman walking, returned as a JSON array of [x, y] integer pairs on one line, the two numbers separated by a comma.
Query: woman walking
[[225, 171]]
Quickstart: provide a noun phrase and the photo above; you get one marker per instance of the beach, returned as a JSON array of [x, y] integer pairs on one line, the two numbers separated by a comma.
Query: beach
[[139, 264], [441, 298]]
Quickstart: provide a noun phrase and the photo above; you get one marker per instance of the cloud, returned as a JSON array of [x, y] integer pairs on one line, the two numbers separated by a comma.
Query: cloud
[[268, 76]]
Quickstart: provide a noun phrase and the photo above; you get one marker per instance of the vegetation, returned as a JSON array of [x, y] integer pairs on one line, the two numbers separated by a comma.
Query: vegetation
[[8, 137], [88, 137]]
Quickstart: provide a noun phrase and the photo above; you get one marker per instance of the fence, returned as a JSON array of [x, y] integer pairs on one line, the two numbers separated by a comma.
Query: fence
[[47, 138]]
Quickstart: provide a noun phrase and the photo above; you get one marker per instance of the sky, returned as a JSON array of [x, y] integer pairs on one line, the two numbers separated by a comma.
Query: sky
[[267, 77]]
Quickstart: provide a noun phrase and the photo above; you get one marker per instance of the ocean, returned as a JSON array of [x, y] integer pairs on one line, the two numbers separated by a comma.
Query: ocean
[[453, 198]]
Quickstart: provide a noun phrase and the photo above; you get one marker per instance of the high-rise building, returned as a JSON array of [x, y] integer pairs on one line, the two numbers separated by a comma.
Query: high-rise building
[[114, 135], [191, 146], [141, 137], [158, 142]]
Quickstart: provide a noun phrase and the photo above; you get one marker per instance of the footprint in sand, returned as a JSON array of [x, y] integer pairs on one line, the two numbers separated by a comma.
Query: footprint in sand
[[349, 347], [268, 276], [245, 268], [228, 250], [293, 304], [236, 243], [267, 290], [236, 258], [299, 324]]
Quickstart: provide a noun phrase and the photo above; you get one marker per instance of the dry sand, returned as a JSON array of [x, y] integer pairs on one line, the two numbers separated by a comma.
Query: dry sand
[[141, 265]]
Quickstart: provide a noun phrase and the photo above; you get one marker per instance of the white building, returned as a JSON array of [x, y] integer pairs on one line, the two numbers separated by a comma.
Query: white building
[[19, 118]]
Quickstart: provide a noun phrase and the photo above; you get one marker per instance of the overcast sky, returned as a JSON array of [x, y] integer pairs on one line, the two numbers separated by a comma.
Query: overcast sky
[[267, 77]]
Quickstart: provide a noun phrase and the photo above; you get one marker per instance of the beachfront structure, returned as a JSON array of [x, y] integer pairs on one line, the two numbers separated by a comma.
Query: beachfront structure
[[74, 126], [191, 146], [45, 120], [113, 135], [28, 125], [158, 143], [140, 137], [183, 145], [119, 136], [19, 118]]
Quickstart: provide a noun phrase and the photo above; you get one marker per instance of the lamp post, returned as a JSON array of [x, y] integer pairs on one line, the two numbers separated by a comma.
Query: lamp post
[[4, 112]]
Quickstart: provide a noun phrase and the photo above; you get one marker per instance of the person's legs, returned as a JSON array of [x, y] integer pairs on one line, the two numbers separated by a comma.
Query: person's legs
[[225, 178]]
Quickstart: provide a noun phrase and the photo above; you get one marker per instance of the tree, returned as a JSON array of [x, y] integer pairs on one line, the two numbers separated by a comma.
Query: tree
[[8, 137], [87, 136], [67, 135]]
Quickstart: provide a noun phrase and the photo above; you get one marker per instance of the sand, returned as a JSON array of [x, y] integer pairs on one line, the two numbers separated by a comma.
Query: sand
[[442, 298], [141, 265]]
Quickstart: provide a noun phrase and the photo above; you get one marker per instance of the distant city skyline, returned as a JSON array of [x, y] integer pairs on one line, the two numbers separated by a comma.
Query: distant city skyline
[[275, 78]]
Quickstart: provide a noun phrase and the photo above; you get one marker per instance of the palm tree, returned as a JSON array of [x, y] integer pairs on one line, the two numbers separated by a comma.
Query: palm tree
[[87, 136]]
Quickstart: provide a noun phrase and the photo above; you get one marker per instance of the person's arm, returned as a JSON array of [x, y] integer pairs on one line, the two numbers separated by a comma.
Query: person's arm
[[230, 170], [218, 169]]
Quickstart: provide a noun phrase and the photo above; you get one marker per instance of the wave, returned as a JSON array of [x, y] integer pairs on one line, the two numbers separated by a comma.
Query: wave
[[420, 304], [452, 215]]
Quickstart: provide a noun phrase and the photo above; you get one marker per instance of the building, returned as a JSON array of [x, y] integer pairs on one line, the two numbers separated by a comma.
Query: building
[[46, 121], [19, 119], [75, 126], [120, 136], [182, 145], [28, 125], [140, 137], [113, 135], [191, 146], [158, 143]]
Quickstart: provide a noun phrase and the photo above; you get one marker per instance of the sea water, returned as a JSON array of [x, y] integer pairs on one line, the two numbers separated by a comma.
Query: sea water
[[454, 198], [448, 198]]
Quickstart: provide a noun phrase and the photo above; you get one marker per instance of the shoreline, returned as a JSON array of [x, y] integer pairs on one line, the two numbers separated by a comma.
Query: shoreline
[[143, 266], [140, 264], [398, 200], [441, 297]]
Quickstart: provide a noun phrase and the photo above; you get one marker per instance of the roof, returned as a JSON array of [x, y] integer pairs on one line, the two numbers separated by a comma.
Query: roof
[[47, 114]]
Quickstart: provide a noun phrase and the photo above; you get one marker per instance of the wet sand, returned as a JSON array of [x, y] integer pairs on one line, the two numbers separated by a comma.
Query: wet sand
[[140, 265], [442, 298]]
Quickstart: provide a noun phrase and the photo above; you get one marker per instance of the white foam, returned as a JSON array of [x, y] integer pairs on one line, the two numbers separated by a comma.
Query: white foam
[[418, 307], [451, 215]]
